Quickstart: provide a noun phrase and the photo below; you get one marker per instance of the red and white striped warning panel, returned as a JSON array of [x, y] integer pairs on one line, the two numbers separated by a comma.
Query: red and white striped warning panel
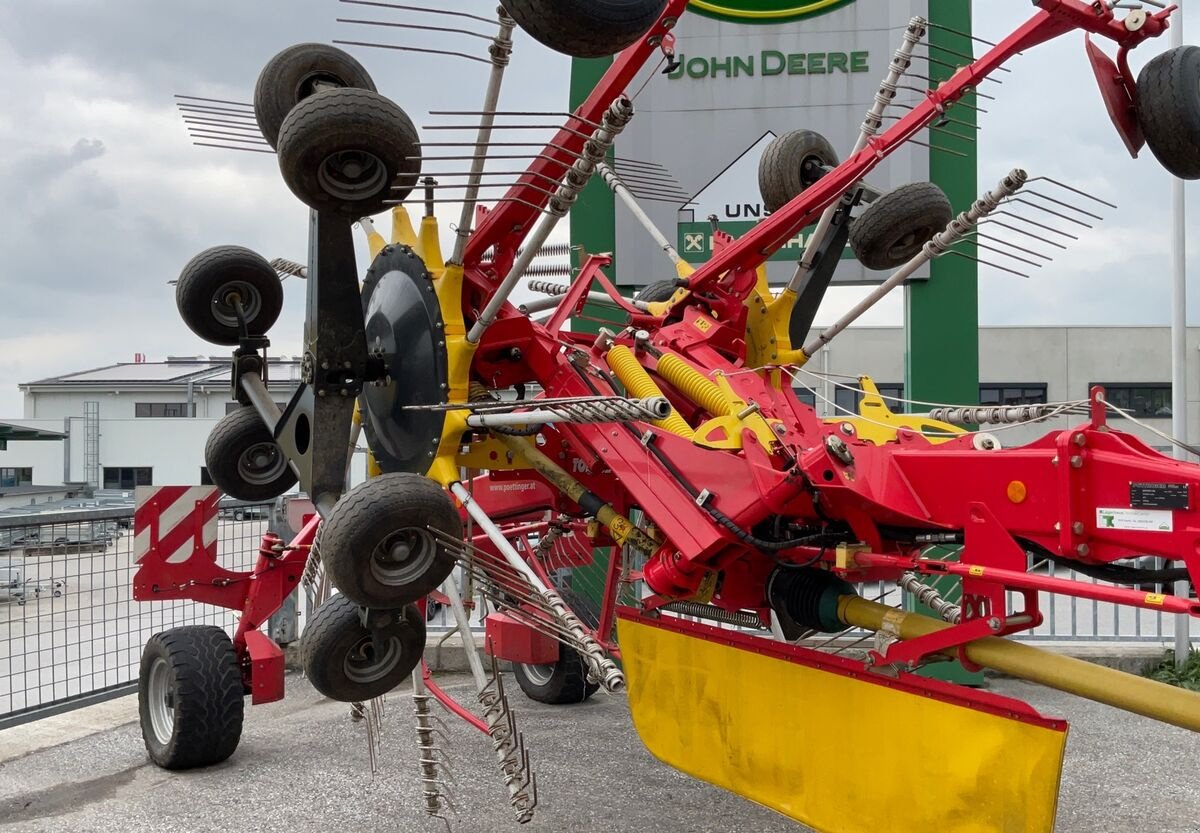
[[173, 524]]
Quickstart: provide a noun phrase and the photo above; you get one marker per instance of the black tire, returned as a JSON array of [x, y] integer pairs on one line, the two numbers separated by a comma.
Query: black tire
[[558, 684], [657, 292], [893, 230], [585, 28], [792, 163], [338, 651], [206, 287], [297, 73], [244, 461], [349, 152], [1168, 109], [377, 546], [194, 672]]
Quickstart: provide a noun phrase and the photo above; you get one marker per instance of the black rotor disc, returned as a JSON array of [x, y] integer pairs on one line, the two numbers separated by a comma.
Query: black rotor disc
[[405, 329]]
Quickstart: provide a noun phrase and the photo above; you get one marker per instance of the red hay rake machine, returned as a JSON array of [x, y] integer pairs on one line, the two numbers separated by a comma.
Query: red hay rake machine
[[668, 454]]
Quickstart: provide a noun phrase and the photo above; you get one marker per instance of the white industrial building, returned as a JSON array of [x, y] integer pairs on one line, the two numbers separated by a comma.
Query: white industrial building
[[146, 423]]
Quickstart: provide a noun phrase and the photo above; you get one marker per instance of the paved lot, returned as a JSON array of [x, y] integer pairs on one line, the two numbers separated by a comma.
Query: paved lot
[[302, 767]]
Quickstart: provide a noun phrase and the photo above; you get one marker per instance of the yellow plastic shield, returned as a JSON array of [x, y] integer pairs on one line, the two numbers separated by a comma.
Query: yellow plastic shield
[[817, 738]]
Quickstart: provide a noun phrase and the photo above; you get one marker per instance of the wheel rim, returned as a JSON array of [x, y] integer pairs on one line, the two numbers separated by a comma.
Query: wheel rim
[[539, 674], [352, 175], [223, 308], [812, 169], [159, 701], [361, 665], [907, 246], [261, 464], [404, 557], [316, 82]]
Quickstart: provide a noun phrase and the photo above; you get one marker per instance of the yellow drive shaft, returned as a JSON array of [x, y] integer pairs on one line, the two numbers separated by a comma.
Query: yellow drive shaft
[[1139, 695]]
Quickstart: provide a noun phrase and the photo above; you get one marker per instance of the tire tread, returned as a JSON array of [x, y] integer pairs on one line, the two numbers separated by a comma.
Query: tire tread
[[1169, 109], [209, 692]]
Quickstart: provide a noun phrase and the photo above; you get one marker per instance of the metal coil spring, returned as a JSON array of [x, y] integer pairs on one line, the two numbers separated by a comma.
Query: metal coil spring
[[928, 595]]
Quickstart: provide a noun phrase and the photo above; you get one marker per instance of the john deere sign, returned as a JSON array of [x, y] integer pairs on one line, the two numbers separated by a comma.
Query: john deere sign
[[753, 70], [772, 62], [765, 11]]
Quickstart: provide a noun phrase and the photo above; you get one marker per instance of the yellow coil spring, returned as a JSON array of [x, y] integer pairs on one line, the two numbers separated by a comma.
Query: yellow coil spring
[[638, 383], [693, 384]]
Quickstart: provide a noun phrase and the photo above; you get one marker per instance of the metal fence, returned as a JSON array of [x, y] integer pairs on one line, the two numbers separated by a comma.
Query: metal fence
[[70, 632]]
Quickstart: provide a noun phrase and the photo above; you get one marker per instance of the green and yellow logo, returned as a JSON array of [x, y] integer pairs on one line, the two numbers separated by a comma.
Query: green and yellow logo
[[765, 11]]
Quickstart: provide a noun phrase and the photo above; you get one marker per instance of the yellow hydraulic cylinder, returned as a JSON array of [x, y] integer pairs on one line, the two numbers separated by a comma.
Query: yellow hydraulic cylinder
[[1139, 695], [694, 385], [639, 384], [622, 529]]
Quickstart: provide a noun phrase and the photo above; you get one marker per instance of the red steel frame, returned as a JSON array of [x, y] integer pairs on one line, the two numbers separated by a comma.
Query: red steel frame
[[902, 484]]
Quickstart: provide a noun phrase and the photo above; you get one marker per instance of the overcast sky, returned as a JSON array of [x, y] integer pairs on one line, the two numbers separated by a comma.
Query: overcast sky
[[104, 198]]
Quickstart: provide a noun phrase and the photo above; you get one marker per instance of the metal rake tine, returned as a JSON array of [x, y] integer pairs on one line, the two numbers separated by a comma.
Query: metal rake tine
[[551, 127], [447, 52], [955, 67], [986, 263], [625, 160], [1073, 190], [847, 647], [1022, 231], [943, 119], [419, 27], [215, 100], [1034, 223], [1048, 211], [939, 149], [213, 122], [962, 34], [678, 201], [933, 84], [955, 53], [232, 147], [541, 209], [522, 113], [508, 185], [531, 156], [1003, 253], [1012, 245], [223, 112], [426, 10], [227, 137], [1031, 193], [644, 173]]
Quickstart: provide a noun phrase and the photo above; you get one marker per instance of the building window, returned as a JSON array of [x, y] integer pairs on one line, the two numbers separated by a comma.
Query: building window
[[806, 395], [159, 410], [1148, 400], [127, 478], [16, 477], [1024, 393], [848, 399]]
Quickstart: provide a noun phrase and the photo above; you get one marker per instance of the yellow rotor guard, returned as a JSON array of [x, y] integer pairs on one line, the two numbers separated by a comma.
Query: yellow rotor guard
[[840, 753]]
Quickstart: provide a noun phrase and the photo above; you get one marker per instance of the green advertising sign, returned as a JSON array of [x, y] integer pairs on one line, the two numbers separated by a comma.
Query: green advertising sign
[[696, 242], [765, 11]]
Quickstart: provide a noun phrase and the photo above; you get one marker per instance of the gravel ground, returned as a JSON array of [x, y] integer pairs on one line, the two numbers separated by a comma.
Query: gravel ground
[[302, 766]]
